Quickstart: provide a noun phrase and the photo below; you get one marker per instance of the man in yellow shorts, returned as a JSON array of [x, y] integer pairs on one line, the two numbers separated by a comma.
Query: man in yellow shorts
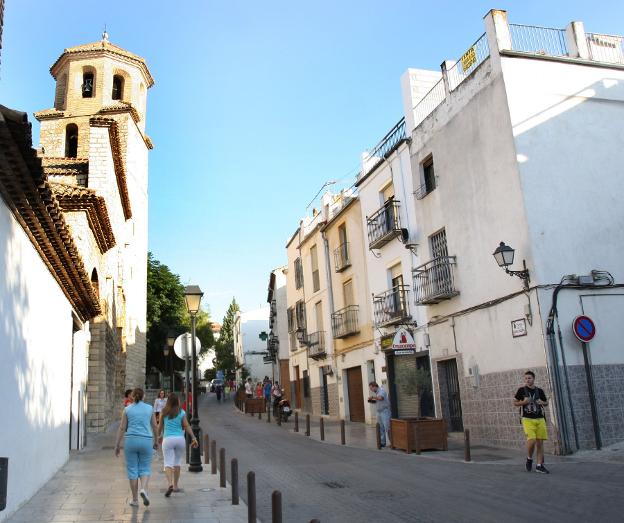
[[532, 399]]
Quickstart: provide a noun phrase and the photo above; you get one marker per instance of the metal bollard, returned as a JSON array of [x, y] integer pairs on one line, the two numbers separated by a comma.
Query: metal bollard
[[322, 429], [269, 414], [4, 481], [206, 449], [279, 416], [296, 422], [378, 435], [213, 457], [222, 467], [234, 481], [259, 414], [276, 507], [251, 497], [315, 521], [307, 432], [342, 432], [467, 456]]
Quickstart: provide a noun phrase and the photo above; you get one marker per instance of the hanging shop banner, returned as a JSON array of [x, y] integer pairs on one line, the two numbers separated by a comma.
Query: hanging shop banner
[[403, 341], [386, 342]]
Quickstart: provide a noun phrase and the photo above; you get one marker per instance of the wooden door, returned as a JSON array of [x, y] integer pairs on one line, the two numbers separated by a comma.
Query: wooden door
[[356, 395]]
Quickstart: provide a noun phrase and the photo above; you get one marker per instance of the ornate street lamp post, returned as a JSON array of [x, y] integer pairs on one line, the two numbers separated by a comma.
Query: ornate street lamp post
[[504, 256], [193, 296], [171, 337]]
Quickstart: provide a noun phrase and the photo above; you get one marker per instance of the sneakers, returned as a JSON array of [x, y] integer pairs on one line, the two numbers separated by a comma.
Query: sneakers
[[541, 468], [134, 503], [529, 465], [146, 500]]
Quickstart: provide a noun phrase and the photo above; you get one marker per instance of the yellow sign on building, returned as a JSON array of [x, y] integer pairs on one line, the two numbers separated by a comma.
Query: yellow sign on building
[[468, 59]]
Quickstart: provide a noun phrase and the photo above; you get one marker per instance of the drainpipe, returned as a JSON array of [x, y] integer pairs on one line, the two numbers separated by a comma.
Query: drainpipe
[[330, 290]]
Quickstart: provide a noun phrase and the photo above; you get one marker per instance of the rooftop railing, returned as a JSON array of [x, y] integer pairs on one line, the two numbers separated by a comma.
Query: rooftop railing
[[533, 39], [605, 48], [434, 281], [345, 322], [385, 146], [429, 102], [469, 61]]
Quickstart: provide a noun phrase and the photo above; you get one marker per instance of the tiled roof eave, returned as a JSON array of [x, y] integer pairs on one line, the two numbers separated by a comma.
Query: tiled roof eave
[[27, 193]]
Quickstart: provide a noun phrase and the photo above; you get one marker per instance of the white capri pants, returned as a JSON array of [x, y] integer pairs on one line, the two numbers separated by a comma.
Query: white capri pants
[[173, 448]]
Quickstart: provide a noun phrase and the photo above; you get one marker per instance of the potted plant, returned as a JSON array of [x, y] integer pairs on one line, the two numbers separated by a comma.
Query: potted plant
[[413, 383]]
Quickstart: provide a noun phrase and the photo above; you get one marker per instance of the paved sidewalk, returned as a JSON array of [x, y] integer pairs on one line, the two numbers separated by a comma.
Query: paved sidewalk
[[92, 486], [360, 435]]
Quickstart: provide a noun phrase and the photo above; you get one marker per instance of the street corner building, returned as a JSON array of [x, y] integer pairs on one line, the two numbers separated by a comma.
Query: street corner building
[[513, 148], [73, 260]]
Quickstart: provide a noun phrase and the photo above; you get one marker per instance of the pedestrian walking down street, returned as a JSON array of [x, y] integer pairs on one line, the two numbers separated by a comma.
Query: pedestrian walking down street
[[532, 400], [128, 398], [267, 392], [173, 424], [249, 388], [380, 399], [138, 423], [276, 394], [159, 404]]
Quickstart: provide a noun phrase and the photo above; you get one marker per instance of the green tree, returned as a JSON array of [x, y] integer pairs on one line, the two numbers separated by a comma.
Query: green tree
[[224, 347], [166, 309]]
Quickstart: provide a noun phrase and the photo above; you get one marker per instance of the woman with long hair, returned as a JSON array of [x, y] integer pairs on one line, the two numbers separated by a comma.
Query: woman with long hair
[[138, 425], [173, 424]]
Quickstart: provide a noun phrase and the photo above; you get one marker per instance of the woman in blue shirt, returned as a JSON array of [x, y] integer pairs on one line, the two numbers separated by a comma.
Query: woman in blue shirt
[[139, 426], [174, 424]]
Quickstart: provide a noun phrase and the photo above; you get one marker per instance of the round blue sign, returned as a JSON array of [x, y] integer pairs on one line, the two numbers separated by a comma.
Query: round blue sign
[[583, 328]]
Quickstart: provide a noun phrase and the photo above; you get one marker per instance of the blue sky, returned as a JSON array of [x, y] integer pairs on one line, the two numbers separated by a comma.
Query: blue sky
[[256, 105]]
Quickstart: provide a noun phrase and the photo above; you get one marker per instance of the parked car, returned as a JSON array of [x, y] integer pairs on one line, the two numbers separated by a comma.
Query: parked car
[[214, 383]]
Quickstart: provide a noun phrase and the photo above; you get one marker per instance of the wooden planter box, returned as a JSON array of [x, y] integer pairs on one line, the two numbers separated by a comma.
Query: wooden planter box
[[416, 434], [254, 405]]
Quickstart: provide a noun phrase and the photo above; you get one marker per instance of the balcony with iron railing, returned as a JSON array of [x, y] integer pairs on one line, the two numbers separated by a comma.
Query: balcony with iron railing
[[382, 150], [316, 345], [384, 225], [345, 322], [434, 281], [392, 306], [342, 260]]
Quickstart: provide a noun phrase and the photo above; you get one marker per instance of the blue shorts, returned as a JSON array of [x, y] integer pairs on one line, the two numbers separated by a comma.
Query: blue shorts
[[138, 451]]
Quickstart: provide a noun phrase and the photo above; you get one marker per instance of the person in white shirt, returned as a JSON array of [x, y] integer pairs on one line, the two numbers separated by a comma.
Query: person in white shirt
[[249, 388], [159, 404]]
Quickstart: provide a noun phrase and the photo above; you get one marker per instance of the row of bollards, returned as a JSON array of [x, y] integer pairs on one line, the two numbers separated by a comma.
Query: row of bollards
[[210, 456]]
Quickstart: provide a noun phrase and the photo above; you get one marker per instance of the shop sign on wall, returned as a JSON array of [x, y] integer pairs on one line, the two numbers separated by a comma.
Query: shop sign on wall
[[403, 342]]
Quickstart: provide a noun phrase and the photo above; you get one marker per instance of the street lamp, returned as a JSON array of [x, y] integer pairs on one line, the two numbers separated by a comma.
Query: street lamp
[[192, 297], [171, 337], [504, 256]]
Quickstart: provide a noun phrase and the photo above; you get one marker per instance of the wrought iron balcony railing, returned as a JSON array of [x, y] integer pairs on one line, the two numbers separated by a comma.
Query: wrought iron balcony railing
[[392, 306], [385, 146], [316, 345], [342, 260], [384, 225], [434, 281], [345, 322]]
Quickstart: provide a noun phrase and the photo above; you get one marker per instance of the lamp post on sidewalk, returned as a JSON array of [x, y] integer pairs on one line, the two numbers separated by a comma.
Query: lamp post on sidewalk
[[171, 337], [193, 296]]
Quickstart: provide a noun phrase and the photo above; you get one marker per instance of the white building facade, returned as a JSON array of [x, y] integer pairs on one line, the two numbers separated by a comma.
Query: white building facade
[[249, 348]]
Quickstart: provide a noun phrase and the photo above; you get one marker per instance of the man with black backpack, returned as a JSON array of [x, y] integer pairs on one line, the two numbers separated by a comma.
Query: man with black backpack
[[532, 400]]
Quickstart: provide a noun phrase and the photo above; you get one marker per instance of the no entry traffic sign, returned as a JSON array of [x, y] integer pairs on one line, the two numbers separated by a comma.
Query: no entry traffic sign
[[583, 328]]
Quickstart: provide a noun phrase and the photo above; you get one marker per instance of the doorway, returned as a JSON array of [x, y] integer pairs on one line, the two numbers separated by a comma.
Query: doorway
[[297, 388], [356, 395], [450, 394], [324, 393]]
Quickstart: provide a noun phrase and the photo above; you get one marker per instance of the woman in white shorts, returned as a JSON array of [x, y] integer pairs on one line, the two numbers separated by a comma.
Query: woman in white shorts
[[173, 424]]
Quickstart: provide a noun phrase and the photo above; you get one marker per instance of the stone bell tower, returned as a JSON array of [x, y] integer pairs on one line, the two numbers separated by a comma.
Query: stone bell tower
[[95, 153]]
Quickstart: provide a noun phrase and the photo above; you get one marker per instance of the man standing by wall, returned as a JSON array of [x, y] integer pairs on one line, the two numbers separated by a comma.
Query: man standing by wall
[[380, 398], [532, 399]]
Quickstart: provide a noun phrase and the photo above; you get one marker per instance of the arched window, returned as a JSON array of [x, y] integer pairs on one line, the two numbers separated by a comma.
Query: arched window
[[87, 85], [71, 141], [95, 283], [61, 87], [118, 84]]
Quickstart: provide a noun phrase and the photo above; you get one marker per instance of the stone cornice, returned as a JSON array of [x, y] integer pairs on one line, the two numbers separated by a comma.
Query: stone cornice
[[75, 198], [27, 193]]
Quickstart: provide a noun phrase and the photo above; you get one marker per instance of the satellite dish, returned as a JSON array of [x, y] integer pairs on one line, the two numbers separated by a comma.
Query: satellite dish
[[183, 345]]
